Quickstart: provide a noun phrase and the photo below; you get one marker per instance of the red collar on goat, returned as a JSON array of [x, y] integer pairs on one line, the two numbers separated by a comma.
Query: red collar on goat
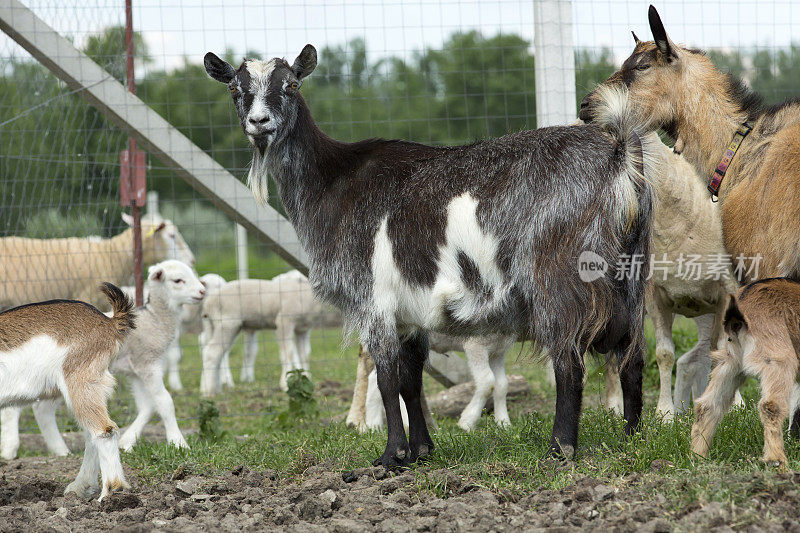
[[719, 173]]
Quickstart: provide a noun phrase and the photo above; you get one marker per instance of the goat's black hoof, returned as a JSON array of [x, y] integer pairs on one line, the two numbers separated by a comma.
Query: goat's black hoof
[[422, 452], [394, 460], [561, 452]]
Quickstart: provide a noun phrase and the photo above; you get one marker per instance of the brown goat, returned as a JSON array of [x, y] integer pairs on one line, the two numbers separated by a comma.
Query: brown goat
[[63, 348], [679, 90], [763, 340]]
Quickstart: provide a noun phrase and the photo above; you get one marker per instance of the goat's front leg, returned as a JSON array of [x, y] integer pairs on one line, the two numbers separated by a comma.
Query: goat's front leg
[[144, 412], [665, 353], [726, 378], [777, 382], [612, 399], [385, 350], [45, 413], [356, 417], [413, 353], [569, 396]]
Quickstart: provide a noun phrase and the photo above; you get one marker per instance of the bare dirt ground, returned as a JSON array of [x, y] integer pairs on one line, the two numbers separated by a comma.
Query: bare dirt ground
[[321, 499]]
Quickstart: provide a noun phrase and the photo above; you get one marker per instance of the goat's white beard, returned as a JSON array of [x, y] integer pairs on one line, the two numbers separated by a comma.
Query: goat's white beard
[[257, 178]]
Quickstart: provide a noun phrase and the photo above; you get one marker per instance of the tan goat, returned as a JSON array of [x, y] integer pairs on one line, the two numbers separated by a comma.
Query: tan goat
[[63, 348], [679, 90], [763, 340]]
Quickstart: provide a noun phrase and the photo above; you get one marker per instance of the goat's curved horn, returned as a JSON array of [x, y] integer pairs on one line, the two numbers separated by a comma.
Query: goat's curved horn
[[635, 38]]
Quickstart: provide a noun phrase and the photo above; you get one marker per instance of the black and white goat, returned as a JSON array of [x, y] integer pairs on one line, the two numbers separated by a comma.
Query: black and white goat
[[474, 239]]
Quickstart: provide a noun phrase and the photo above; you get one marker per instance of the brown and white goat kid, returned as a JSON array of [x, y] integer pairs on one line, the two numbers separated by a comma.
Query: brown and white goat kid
[[763, 340], [484, 238], [170, 284], [63, 348]]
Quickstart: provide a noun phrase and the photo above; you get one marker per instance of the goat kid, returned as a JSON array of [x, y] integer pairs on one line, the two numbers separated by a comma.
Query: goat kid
[[468, 240], [762, 325], [170, 284], [64, 347]]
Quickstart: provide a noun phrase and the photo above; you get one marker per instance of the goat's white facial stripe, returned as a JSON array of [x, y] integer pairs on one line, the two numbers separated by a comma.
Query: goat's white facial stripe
[[260, 73], [396, 299]]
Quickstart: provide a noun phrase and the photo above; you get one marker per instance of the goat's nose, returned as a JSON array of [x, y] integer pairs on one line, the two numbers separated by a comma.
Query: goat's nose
[[258, 121]]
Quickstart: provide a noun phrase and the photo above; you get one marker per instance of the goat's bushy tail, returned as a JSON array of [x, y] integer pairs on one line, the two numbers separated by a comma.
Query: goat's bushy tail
[[124, 318], [634, 194]]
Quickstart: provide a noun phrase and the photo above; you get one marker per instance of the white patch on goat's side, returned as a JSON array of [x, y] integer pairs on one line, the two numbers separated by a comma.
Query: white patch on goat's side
[[32, 370], [397, 300], [464, 234]]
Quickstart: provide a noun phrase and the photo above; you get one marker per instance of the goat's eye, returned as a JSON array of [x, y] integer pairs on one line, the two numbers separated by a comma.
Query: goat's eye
[[177, 281], [234, 90], [642, 67], [294, 86]]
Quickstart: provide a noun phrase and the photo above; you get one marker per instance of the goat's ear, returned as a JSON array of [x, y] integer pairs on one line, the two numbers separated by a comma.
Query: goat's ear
[[156, 273], [663, 42], [160, 227], [218, 69], [734, 319], [306, 62], [126, 218]]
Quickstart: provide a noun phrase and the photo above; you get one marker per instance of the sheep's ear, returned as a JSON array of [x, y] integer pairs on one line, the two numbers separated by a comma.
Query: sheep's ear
[[218, 69], [663, 42], [126, 218], [156, 274], [306, 62], [734, 319], [160, 227]]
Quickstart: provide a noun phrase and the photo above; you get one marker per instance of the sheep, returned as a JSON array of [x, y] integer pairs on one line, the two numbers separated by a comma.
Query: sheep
[[762, 324], [467, 240], [64, 347], [284, 303], [170, 284], [41, 269], [486, 361], [34, 269], [190, 323]]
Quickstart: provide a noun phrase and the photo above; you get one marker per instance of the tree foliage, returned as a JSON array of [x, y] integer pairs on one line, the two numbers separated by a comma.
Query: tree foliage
[[60, 155]]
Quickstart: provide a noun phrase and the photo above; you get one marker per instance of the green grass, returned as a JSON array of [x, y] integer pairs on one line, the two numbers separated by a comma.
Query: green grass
[[509, 460]]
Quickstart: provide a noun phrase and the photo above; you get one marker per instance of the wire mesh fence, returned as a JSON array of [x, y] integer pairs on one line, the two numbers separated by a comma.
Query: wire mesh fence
[[433, 72]]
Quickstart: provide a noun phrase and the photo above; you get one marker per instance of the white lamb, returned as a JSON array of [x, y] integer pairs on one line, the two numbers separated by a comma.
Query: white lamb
[[33, 270], [63, 348], [284, 303], [170, 284], [486, 361]]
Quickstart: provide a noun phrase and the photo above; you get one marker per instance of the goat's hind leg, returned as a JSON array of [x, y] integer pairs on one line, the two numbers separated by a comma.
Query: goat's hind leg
[[776, 389], [726, 378], [630, 378], [9, 432], [88, 401], [45, 413], [569, 371], [413, 353]]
